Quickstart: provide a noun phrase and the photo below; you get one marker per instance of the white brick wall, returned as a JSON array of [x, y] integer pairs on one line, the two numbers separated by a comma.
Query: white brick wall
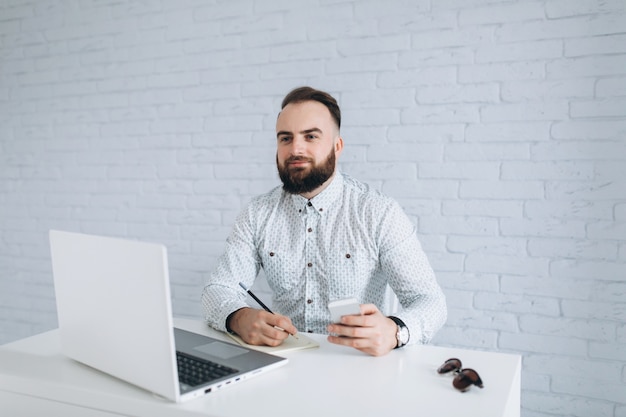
[[500, 125]]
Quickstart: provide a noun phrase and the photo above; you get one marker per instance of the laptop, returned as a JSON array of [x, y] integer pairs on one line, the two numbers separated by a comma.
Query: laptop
[[115, 315]]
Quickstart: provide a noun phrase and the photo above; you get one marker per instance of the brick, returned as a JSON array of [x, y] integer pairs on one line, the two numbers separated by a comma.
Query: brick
[[547, 90], [572, 248], [586, 269], [508, 132], [594, 310], [426, 133], [611, 44], [486, 208], [477, 93], [506, 71], [565, 8], [468, 281], [607, 65], [486, 244], [417, 151], [578, 150], [559, 28], [420, 189], [611, 292], [520, 51], [480, 262], [355, 64], [554, 404], [370, 117], [459, 170], [501, 190], [607, 230], [384, 171], [435, 39], [608, 350], [468, 338], [368, 9], [372, 45], [614, 106], [418, 22], [572, 367], [501, 13], [448, 113], [468, 318], [475, 226], [601, 390], [552, 345], [562, 170], [596, 130], [543, 227], [425, 77], [550, 110], [331, 29], [428, 58], [595, 330], [608, 87], [486, 151], [594, 190]]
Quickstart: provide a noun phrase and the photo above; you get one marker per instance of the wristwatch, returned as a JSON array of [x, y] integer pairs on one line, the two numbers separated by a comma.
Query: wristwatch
[[402, 335]]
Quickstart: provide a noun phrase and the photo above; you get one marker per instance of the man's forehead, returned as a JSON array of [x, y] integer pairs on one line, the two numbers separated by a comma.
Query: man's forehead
[[304, 115]]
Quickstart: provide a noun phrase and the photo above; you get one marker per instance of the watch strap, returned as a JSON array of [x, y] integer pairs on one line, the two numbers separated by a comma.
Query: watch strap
[[401, 328]]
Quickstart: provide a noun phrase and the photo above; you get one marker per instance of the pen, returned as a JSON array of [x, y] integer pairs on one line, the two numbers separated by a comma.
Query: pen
[[266, 308]]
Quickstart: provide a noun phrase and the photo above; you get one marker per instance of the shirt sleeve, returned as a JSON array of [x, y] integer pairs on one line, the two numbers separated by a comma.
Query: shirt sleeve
[[422, 302], [222, 294]]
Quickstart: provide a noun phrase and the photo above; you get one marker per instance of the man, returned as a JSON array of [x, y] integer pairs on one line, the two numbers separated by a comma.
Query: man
[[323, 236]]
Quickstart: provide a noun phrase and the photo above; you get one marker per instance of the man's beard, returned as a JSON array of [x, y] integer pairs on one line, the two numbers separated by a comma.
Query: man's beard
[[301, 181]]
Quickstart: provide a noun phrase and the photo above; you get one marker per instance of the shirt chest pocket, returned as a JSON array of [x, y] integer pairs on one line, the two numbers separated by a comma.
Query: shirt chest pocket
[[349, 273], [281, 269]]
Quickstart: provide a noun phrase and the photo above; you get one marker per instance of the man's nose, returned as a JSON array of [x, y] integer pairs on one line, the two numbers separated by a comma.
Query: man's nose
[[297, 146]]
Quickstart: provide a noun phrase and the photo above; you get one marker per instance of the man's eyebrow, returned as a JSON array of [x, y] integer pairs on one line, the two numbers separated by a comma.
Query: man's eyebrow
[[304, 132]]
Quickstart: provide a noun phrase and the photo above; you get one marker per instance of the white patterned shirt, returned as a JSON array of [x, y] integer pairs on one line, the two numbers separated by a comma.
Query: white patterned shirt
[[348, 241]]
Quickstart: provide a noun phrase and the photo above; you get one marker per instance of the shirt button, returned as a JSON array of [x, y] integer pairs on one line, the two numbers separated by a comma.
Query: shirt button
[[271, 253], [309, 264], [309, 301], [309, 204], [348, 255], [309, 230], [309, 331]]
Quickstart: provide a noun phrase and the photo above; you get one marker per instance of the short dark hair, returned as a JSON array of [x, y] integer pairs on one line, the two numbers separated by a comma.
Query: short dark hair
[[301, 94]]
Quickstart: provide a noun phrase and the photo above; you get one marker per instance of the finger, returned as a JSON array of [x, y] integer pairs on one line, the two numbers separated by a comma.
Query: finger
[[282, 322], [367, 309]]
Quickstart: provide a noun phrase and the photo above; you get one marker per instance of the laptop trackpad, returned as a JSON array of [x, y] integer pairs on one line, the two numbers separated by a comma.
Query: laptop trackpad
[[221, 350]]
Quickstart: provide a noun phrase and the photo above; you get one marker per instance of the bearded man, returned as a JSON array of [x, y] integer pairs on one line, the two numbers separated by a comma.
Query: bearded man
[[323, 236]]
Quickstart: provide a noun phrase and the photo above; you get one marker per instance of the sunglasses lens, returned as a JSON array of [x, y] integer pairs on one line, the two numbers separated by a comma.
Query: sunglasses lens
[[466, 378], [450, 365]]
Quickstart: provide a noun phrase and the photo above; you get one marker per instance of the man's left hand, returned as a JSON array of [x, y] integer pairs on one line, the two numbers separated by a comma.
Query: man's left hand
[[371, 332]]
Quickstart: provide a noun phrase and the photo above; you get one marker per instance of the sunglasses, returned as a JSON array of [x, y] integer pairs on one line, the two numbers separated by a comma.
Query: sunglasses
[[464, 378]]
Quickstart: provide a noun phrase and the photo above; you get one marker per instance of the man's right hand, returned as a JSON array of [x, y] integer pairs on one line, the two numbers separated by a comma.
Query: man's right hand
[[259, 327]]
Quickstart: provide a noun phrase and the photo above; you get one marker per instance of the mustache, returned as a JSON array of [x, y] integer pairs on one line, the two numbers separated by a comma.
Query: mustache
[[298, 158]]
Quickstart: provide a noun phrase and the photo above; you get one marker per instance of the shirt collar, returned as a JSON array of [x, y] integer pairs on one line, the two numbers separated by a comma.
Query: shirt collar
[[323, 200]]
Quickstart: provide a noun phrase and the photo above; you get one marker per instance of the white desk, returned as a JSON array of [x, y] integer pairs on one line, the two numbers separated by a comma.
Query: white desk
[[36, 379]]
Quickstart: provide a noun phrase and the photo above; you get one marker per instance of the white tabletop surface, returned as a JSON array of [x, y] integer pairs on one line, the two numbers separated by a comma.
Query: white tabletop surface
[[36, 378]]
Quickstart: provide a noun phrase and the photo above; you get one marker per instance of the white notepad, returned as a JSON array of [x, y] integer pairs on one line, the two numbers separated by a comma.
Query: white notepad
[[288, 345]]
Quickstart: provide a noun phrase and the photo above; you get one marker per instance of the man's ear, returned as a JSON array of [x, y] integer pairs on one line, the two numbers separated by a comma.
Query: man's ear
[[338, 146]]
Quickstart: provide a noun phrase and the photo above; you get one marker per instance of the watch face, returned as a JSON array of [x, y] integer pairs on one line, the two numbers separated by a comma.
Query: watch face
[[404, 335]]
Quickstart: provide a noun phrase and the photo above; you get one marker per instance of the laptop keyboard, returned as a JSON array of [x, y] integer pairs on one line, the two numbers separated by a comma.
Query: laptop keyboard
[[195, 371]]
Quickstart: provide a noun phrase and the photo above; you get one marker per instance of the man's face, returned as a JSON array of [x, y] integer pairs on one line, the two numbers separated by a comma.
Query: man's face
[[308, 144]]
